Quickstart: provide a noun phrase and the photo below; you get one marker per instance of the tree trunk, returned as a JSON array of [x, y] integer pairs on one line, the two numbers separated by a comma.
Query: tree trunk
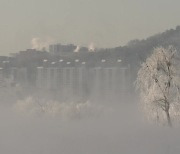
[[168, 119]]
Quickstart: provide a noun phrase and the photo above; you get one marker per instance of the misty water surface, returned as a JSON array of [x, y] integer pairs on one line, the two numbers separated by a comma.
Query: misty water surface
[[118, 128]]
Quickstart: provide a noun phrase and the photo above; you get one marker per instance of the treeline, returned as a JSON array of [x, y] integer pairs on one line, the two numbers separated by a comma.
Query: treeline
[[136, 51]]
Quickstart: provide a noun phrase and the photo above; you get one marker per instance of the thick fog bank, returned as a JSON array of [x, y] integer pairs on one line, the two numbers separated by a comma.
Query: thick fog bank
[[117, 129]]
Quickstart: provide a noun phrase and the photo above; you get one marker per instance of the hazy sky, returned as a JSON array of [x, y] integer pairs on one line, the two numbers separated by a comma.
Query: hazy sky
[[106, 23]]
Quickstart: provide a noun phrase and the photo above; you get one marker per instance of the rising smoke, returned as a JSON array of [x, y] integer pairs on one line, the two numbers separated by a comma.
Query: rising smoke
[[77, 48], [91, 47], [41, 44]]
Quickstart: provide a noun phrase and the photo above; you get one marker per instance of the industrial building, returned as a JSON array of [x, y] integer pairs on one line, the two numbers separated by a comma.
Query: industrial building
[[71, 79], [81, 82]]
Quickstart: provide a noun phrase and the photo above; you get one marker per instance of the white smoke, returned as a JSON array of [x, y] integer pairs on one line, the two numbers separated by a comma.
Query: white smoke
[[41, 44], [91, 47], [77, 48]]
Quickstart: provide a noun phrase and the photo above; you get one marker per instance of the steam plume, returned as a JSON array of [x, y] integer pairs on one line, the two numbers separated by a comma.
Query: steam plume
[[91, 47], [40, 44], [77, 49]]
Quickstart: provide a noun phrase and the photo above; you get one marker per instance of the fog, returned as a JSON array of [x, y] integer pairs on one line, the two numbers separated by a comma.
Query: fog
[[79, 100], [117, 128]]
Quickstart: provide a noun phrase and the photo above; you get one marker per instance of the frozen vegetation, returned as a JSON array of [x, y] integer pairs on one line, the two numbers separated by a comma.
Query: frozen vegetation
[[65, 111], [159, 84]]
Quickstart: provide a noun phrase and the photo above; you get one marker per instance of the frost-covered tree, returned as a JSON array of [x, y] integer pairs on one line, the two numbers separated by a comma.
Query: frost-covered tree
[[159, 83]]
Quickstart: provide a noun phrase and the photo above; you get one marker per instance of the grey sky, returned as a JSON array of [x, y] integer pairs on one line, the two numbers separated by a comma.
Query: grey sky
[[106, 23]]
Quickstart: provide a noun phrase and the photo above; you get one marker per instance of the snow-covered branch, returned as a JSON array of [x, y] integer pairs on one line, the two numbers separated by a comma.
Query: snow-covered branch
[[158, 81]]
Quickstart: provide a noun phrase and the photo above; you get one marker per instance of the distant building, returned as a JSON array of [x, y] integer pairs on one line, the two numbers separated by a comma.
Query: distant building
[[17, 76], [61, 50], [80, 82], [41, 76], [71, 78], [52, 78], [1, 78], [22, 77]]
